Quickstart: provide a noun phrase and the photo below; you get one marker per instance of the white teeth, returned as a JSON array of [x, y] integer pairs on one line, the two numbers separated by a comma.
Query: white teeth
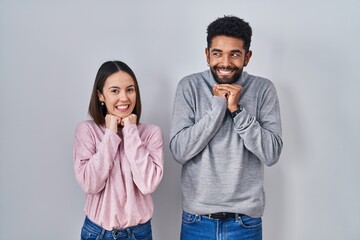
[[225, 71], [122, 107]]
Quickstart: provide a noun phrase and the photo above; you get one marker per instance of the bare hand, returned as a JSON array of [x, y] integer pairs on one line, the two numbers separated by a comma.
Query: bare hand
[[112, 122], [220, 92], [131, 119], [233, 95]]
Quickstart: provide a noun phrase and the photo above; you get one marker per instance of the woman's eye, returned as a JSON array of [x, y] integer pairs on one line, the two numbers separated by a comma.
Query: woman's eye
[[115, 91], [130, 90]]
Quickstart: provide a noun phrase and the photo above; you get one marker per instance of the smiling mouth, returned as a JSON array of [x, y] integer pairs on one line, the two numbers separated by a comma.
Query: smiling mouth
[[225, 71], [122, 108]]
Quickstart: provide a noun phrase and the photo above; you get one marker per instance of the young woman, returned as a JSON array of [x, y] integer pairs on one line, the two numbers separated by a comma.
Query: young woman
[[118, 161]]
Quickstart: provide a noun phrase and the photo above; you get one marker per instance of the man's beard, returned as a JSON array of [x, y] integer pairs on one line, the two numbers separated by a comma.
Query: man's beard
[[226, 80]]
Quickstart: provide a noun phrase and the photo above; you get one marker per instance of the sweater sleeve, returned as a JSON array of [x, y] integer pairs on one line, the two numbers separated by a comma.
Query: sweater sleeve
[[92, 164], [146, 157], [187, 137], [262, 137]]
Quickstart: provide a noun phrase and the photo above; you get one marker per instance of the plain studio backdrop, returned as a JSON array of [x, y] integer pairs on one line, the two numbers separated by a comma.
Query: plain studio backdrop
[[50, 52]]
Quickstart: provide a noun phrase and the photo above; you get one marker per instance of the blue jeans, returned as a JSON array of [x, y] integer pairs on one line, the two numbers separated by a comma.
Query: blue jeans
[[92, 231], [200, 227]]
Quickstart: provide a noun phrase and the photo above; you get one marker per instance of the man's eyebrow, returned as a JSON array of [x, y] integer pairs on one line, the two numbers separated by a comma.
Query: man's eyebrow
[[232, 51], [216, 50]]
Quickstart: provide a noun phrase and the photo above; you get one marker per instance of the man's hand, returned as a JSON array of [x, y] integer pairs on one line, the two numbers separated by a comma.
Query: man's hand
[[220, 92], [231, 92]]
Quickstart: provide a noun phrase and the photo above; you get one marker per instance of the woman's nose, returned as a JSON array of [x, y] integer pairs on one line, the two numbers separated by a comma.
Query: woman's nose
[[123, 96]]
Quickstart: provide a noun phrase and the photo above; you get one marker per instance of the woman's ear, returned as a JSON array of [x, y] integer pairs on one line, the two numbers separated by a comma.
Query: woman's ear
[[100, 96]]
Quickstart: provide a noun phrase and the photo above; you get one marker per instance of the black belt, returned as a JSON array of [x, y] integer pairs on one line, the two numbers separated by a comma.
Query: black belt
[[222, 215]]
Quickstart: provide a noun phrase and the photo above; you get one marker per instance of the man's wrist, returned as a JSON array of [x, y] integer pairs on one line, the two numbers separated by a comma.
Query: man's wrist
[[236, 112]]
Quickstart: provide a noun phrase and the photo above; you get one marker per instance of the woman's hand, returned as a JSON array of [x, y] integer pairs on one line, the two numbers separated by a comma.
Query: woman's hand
[[131, 119], [112, 122]]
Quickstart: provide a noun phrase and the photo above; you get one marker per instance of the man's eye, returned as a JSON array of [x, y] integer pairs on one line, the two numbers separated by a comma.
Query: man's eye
[[216, 54], [235, 55]]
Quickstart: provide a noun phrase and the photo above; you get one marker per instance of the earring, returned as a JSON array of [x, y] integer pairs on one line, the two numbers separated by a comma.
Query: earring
[[102, 103]]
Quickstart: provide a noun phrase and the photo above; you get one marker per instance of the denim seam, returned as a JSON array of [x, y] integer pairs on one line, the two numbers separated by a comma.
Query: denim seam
[[249, 227]]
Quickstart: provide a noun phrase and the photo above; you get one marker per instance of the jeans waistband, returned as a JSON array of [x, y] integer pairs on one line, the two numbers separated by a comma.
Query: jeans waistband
[[115, 233]]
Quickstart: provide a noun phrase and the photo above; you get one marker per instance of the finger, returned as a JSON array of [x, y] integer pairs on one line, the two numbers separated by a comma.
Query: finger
[[222, 91], [230, 87]]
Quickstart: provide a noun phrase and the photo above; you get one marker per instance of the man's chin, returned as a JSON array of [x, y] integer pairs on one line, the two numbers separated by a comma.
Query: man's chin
[[225, 80]]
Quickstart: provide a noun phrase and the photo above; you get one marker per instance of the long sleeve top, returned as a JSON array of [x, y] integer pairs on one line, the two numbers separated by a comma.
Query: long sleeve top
[[222, 157], [118, 172]]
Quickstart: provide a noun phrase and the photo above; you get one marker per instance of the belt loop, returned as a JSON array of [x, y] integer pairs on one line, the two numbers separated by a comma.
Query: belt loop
[[129, 232], [101, 236], [237, 217]]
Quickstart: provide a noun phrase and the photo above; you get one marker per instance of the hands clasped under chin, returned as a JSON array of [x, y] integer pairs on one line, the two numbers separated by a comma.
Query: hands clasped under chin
[[231, 92], [113, 122]]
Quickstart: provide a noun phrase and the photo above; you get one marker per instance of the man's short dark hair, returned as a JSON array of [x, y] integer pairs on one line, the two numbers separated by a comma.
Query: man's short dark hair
[[232, 27]]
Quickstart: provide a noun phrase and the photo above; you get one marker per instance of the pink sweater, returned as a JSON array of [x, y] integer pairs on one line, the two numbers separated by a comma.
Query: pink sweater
[[118, 172]]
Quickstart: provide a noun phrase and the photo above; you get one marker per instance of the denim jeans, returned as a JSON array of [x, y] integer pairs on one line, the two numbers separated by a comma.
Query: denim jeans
[[92, 231], [200, 227]]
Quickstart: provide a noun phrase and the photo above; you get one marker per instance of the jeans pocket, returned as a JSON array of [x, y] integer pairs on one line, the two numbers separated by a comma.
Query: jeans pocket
[[87, 234], [249, 222], [188, 218], [143, 232]]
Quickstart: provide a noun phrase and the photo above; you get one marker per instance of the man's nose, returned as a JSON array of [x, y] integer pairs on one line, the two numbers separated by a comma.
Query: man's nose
[[226, 61]]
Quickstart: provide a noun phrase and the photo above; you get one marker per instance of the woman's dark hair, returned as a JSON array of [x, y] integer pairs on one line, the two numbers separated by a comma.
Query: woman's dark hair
[[232, 27], [98, 111]]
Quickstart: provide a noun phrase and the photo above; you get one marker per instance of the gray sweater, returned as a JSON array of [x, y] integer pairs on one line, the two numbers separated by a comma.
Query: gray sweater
[[223, 158]]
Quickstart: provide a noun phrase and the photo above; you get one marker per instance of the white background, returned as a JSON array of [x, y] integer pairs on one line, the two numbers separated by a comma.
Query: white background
[[50, 52]]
